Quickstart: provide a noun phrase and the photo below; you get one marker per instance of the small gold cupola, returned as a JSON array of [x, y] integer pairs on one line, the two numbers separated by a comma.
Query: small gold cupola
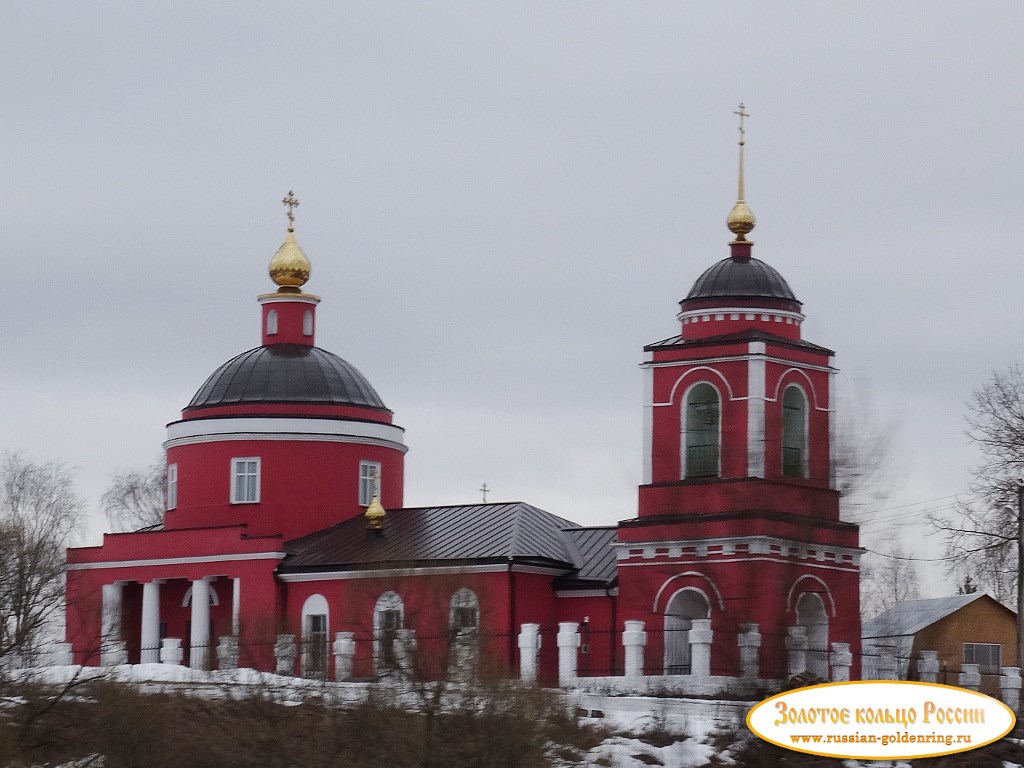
[[290, 268], [375, 511], [741, 219]]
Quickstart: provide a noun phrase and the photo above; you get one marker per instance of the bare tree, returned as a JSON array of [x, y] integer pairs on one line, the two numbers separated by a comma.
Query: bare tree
[[39, 515], [887, 578], [864, 459], [136, 498], [982, 533]]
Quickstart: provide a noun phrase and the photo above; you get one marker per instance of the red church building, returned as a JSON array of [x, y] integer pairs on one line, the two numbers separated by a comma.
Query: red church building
[[285, 519]]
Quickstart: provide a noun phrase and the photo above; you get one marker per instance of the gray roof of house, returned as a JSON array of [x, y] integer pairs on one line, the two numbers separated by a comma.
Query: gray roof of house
[[911, 616], [740, 278], [500, 532]]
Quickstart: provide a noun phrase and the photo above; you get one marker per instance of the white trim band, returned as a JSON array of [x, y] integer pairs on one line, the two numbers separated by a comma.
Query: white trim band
[[190, 431], [177, 560], [443, 570]]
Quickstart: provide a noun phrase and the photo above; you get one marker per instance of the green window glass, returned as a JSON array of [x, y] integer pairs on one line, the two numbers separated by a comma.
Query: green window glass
[[703, 431], [794, 433]]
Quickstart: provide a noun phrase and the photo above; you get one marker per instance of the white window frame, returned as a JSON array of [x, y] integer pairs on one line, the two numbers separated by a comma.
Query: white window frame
[[307, 323], [366, 488], [985, 669], [271, 322], [243, 461], [172, 486]]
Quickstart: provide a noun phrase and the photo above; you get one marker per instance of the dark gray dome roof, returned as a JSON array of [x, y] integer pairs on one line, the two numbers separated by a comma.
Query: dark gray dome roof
[[740, 278], [287, 373]]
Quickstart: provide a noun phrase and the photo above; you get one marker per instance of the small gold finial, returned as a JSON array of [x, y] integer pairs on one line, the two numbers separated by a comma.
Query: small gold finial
[[289, 267], [291, 203], [375, 511], [741, 219]]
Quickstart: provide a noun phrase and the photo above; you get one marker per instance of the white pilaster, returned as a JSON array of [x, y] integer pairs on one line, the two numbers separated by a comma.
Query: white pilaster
[[199, 644], [236, 602], [928, 667], [568, 650], [150, 641], [1009, 687], [755, 409], [344, 654], [110, 626], [701, 637], [832, 427], [749, 642], [634, 639], [970, 677], [529, 649], [647, 443], [841, 660], [796, 647]]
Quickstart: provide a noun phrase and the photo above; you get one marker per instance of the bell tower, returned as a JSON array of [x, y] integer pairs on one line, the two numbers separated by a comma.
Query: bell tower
[[738, 520]]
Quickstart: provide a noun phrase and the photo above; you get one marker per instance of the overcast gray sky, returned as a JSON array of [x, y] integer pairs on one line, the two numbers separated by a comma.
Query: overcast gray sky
[[502, 203]]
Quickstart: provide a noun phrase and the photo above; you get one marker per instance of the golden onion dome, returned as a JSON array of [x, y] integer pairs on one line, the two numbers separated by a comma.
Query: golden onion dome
[[290, 268], [741, 220], [375, 513]]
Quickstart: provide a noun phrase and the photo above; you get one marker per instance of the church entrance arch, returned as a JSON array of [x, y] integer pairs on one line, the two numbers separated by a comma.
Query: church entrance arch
[[812, 616], [683, 607]]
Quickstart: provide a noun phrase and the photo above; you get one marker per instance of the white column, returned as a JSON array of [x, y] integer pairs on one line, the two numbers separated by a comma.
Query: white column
[[227, 652], [841, 660], [749, 641], [284, 654], [885, 663], [701, 637], [529, 648], [150, 652], [796, 645], [236, 602], [111, 646], [755, 408], [970, 677], [344, 654], [1009, 687], [928, 667], [170, 651], [199, 644], [648, 424], [568, 650], [634, 639]]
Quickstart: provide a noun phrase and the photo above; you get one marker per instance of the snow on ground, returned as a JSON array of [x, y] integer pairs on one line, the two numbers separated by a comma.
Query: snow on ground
[[622, 752]]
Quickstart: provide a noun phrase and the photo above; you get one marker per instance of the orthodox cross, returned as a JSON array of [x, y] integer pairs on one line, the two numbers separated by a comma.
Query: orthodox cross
[[484, 489], [742, 113], [291, 202]]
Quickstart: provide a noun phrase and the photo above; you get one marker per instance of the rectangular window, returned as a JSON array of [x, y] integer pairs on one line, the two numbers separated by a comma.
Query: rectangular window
[[172, 486], [245, 481], [988, 657], [369, 480]]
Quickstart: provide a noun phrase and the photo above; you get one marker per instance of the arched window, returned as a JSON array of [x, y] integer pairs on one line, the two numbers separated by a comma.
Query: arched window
[[794, 433], [463, 610], [702, 432], [315, 634], [685, 605], [388, 619], [811, 614], [463, 635], [271, 322], [307, 324]]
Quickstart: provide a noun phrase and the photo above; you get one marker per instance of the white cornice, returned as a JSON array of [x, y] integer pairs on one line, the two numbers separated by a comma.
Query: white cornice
[[192, 431], [177, 560]]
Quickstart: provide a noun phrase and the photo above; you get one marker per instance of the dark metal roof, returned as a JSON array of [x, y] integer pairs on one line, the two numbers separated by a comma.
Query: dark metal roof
[[511, 531], [598, 561], [739, 279], [751, 334], [287, 373]]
